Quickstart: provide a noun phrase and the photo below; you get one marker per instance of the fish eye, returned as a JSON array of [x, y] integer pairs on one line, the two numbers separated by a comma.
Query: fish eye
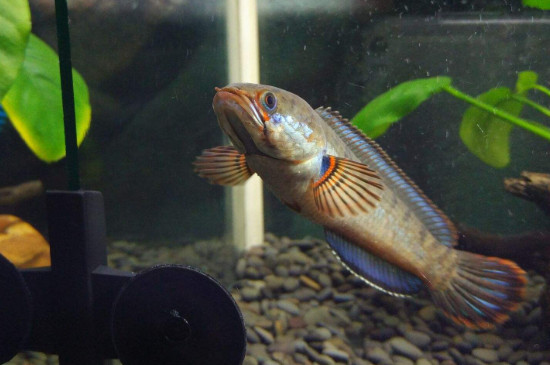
[[269, 101]]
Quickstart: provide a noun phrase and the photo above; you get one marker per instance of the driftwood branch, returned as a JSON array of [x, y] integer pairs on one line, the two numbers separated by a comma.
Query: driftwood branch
[[532, 186], [531, 250], [13, 195]]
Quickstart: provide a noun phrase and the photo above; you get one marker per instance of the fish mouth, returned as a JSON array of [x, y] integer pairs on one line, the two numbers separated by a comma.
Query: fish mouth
[[238, 118]]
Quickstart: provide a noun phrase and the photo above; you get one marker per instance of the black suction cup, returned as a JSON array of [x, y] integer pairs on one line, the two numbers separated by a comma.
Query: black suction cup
[[177, 315], [15, 310]]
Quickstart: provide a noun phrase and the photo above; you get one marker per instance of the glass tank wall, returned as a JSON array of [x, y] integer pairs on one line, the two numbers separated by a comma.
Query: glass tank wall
[[347, 53], [151, 68]]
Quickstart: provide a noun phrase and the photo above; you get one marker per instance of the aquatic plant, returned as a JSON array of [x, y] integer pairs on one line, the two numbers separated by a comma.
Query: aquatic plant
[[486, 125], [538, 4], [30, 88]]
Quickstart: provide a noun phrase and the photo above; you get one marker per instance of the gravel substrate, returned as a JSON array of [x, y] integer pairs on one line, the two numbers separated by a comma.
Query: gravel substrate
[[302, 307]]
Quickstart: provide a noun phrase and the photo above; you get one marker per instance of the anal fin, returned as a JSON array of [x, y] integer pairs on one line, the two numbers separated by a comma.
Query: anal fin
[[222, 165], [373, 270]]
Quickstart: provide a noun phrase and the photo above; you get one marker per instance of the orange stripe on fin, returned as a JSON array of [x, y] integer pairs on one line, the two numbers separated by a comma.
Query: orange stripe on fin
[[222, 165], [482, 291], [369, 152], [346, 187]]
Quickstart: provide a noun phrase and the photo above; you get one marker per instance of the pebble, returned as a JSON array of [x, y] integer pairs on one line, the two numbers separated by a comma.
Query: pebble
[[427, 313], [265, 336], [340, 316], [442, 356], [504, 352], [249, 294], [337, 355], [324, 360], [316, 315], [487, 355], [535, 316], [304, 294], [318, 334], [391, 321], [529, 332], [535, 357], [464, 346], [378, 356], [249, 360], [400, 360], [456, 355], [306, 280], [324, 294], [403, 347], [252, 336], [241, 266], [423, 361], [291, 284], [417, 338], [440, 346], [382, 334], [295, 256], [274, 282], [324, 280], [258, 351], [297, 322], [517, 356], [301, 358], [281, 271], [288, 306], [490, 339], [343, 297], [471, 338]]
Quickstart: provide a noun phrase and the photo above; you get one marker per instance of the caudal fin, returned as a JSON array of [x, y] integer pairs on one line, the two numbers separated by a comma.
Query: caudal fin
[[482, 291]]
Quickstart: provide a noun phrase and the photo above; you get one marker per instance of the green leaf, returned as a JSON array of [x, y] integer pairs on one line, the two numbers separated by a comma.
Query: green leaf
[[539, 4], [526, 81], [33, 103], [485, 134], [15, 27], [376, 117]]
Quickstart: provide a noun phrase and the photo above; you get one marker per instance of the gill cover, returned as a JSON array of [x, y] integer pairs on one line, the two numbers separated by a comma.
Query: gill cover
[[266, 120]]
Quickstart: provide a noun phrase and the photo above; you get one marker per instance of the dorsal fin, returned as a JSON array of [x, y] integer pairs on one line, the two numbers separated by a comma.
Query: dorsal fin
[[370, 153]]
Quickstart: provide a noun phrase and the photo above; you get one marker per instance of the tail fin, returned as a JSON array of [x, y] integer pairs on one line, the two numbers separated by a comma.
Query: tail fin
[[482, 291]]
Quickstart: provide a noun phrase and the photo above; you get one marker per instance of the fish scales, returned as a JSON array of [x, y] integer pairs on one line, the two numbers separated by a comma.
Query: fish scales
[[378, 222], [395, 231]]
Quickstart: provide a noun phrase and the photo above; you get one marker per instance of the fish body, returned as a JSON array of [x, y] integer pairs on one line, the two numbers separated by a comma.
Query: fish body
[[377, 221]]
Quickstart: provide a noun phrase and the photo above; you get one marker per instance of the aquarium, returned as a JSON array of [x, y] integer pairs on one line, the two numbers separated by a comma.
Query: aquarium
[[420, 69]]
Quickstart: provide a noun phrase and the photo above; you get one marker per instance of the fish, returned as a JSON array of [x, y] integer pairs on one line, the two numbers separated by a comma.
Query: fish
[[377, 221]]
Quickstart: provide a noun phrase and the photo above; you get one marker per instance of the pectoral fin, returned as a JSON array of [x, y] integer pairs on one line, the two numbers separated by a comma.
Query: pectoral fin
[[222, 165], [346, 187]]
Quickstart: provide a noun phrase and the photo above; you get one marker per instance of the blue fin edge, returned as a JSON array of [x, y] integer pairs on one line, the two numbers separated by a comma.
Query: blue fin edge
[[373, 270]]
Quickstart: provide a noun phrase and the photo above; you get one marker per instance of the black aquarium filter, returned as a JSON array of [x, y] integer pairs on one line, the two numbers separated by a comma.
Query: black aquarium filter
[[86, 312]]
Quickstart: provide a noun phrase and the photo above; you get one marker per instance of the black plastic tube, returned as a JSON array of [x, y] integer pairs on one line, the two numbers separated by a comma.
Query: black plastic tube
[[67, 92]]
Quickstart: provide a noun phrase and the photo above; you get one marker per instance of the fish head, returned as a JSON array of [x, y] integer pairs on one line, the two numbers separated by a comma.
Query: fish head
[[265, 120]]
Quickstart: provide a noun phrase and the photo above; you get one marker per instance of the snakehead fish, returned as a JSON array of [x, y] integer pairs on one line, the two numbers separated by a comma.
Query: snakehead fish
[[379, 224]]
